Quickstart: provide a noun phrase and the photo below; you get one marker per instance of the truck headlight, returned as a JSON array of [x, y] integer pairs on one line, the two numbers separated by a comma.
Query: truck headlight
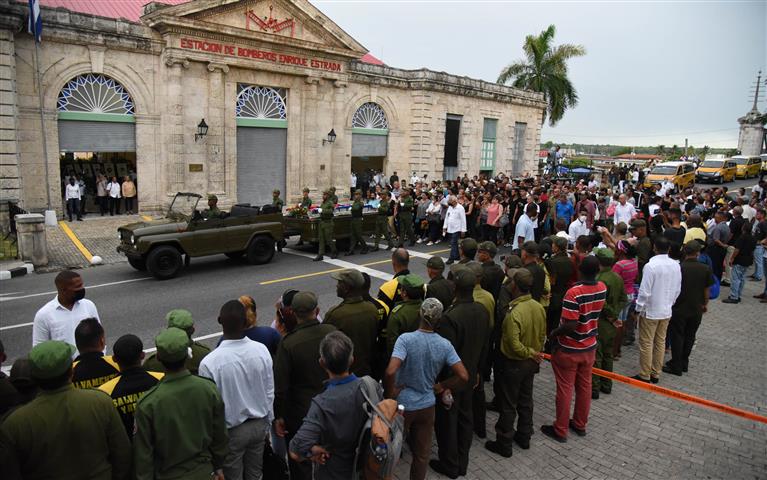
[[132, 239], [717, 174]]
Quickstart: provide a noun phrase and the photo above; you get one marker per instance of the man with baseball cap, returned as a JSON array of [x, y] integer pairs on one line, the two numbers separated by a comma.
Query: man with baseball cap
[[36, 440], [356, 318], [522, 339], [638, 228], [189, 412], [608, 320], [404, 316], [181, 319], [492, 274], [561, 270], [438, 287], [298, 376]]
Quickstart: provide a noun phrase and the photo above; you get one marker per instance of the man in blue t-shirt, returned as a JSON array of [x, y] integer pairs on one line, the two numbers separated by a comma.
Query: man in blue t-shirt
[[417, 359], [564, 209]]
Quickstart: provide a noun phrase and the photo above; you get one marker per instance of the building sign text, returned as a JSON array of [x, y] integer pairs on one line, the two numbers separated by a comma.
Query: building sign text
[[245, 52]]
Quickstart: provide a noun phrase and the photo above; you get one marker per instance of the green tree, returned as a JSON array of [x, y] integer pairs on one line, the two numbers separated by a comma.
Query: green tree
[[660, 150], [544, 69], [704, 151]]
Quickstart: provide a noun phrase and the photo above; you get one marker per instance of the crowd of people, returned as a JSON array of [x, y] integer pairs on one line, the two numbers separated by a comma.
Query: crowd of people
[[108, 194], [589, 268]]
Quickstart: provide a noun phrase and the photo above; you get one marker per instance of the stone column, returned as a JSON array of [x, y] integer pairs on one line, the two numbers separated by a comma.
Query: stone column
[[215, 144], [315, 163], [151, 190], [173, 123], [33, 246], [10, 178]]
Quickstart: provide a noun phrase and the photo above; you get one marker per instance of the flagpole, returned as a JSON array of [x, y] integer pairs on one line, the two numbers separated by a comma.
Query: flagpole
[[42, 124]]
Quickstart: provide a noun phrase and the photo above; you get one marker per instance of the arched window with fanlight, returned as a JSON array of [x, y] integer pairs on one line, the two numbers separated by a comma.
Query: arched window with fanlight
[[370, 130], [261, 107]]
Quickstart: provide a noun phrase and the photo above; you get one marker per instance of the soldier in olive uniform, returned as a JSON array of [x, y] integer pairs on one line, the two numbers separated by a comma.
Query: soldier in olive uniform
[[404, 316], [355, 317], [382, 221], [492, 274], [406, 218], [212, 211], [438, 287], [180, 318], [326, 227], [277, 202], [357, 239], [333, 196], [180, 425], [608, 320], [306, 201], [64, 432]]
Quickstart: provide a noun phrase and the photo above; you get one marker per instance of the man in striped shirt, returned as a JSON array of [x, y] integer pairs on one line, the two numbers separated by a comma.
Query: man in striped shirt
[[574, 343]]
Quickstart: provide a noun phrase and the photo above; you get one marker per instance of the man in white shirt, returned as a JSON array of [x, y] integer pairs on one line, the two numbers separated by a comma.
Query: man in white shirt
[[454, 225], [624, 211], [57, 319], [661, 284], [242, 372], [579, 227], [72, 198], [414, 179], [635, 177], [525, 229]]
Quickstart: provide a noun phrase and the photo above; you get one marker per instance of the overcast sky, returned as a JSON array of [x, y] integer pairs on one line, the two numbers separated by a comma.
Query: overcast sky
[[654, 72]]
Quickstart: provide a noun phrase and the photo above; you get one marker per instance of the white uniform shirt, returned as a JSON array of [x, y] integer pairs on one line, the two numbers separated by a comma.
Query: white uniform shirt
[[353, 180], [455, 219], [242, 371], [624, 213], [72, 191], [577, 228], [661, 284], [114, 189], [54, 322], [525, 229]]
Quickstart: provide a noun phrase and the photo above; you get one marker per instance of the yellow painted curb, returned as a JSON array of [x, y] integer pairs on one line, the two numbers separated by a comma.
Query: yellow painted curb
[[146, 218], [76, 241]]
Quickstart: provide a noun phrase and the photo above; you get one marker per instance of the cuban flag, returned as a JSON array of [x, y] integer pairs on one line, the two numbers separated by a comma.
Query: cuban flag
[[35, 27]]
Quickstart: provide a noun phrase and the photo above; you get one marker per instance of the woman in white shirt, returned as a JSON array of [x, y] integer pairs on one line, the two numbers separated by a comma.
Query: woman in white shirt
[[113, 188]]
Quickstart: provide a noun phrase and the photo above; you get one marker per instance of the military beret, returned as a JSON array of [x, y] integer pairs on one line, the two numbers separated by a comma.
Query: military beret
[[464, 278], [693, 246], [436, 263], [468, 243], [304, 302], [604, 254], [180, 318], [172, 345], [489, 247], [637, 223], [411, 280], [512, 261], [523, 278], [212, 197], [51, 359], [475, 267], [350, 277]]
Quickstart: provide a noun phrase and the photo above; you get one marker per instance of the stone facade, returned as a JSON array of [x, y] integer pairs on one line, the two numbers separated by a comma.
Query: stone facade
[[183, 63]]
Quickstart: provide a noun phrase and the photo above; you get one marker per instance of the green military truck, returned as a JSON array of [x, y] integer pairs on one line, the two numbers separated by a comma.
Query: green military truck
[[164, 246], [307, 227]]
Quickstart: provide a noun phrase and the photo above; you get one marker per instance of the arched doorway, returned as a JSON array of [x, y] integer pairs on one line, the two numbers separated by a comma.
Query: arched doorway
[[370, 134], [262, 142], [97, 134]]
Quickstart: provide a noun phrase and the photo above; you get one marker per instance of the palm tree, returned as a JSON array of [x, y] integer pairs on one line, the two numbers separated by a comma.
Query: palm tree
[[660, 150], [545, 70]]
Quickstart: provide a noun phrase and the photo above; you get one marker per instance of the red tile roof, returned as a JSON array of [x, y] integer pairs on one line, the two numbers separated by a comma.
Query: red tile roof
[[132, 10], [638, 156]]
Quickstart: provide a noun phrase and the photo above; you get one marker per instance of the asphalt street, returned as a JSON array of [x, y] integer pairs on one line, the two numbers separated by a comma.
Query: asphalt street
[[133, 302]]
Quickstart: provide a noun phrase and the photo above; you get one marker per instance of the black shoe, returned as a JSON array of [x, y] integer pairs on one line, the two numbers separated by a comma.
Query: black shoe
[[684, 369], [731, 300], [334, 255], [578, 431], [725, 284], [654, 379], [666, 368], [548, 430], [349, 254], [605, 390], [441, 469], [523, 443], [317, 258], [495, 447], [637, 377], [374, 249], [595, 394], [628, 342]]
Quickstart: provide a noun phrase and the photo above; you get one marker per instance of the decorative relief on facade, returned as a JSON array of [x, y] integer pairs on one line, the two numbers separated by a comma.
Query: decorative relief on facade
[[95, 94], [370, 115], [261, 102], [271, 24]]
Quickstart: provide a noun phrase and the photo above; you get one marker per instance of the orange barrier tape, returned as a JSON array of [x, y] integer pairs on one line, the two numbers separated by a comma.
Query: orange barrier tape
[[667, 392]]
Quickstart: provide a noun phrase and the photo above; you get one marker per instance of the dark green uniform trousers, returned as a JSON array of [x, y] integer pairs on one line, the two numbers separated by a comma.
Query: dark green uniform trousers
[[406, 227], [604, 355], [454, 429], [357, 236], [382, 228], [326, 236], [515, 401]]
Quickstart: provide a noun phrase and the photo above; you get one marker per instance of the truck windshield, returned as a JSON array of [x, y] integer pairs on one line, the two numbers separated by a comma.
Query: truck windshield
[[183, 205]]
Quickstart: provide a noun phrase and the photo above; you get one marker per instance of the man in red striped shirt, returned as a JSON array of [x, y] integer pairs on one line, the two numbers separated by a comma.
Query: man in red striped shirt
[[574, 343]]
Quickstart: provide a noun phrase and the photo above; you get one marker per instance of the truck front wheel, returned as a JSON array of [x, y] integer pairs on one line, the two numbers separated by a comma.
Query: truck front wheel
[[164, 262], [137, 263], [260, 250]]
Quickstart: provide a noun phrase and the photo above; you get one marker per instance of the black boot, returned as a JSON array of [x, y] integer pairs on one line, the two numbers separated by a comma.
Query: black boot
[[334, 255], [317, 258]]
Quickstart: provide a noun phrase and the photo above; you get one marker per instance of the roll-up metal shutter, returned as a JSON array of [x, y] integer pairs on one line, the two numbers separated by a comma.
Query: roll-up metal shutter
[[368, 145], [80, 136], [261, 163]]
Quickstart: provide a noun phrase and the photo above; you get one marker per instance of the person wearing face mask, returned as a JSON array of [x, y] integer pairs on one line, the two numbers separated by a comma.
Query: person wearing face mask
[[579, 226], [73, 197], [57, 319]]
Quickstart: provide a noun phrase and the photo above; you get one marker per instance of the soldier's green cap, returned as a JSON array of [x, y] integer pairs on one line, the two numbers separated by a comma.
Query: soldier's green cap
[[693, 246], [411, 280], [604, 254], [180, 318], [332, 189], [358, 192], [275, 191], [637, 223], [468, 243], [489, 247], [304, 302], [436, 263], [464, 278], [51, 359], [523, 278], [172, 345], [212, 197], [326, 192], [512, 261], [306, 189], [475, 267], [350, 277]]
